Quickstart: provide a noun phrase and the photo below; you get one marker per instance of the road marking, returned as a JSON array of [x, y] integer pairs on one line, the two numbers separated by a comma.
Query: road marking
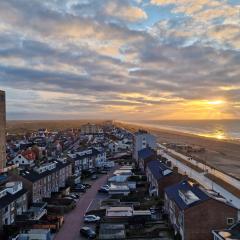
[[89, 205]]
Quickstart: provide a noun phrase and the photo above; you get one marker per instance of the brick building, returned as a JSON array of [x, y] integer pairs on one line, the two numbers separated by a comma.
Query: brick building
[[42, 181], [194, 212]]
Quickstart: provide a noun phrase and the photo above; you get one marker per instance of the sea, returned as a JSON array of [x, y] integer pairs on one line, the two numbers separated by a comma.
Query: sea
[[219, 129]]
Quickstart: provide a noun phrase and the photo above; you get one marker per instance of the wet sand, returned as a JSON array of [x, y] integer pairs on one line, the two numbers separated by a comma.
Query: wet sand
[[221, 154]]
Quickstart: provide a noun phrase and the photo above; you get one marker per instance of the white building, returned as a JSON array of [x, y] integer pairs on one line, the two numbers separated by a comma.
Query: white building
[[21, 160], [91, 129], [143, 139], [13, 201]]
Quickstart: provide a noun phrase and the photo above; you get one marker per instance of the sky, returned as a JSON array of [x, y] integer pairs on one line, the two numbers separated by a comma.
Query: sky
[[119, 59]]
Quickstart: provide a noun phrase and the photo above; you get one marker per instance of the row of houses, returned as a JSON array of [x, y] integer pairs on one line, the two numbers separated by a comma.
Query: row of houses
[[193, 211], [42, 181], [34, 180]]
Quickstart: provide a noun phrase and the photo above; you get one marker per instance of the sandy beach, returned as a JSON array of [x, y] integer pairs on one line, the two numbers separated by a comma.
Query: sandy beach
[[221, 154]]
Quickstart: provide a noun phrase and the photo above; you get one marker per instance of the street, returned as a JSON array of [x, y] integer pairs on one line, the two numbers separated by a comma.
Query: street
[[73, 221]]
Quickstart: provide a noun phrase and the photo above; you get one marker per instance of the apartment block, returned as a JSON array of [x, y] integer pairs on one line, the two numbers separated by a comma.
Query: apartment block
[[13, 202], [46, 179], [143, 139]]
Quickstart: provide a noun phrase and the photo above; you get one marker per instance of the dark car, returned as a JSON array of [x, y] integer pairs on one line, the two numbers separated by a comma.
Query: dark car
[[103, 172], [106, 168], [88, 232], [78, 189], [92, 171], [94, 177], [103, 190]]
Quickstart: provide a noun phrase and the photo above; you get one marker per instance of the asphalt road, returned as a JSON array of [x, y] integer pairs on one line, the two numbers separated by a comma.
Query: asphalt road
[[73, 221]]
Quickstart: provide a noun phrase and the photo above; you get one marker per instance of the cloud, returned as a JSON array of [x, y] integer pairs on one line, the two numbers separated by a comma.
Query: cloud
[[201, 19], [105, 59], [127, 12]]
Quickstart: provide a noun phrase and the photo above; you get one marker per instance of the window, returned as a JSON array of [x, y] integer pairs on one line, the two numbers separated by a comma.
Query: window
[[6, 209], [230, 221]]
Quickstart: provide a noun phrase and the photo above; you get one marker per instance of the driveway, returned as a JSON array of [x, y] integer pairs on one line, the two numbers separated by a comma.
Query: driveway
[[73, 221]]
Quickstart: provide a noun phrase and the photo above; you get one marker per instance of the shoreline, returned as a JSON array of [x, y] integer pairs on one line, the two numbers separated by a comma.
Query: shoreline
[[180, 133], [223, 155]]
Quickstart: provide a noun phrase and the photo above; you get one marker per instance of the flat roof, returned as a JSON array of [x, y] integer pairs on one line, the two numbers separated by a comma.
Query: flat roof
[[141, 212], [119, 212]]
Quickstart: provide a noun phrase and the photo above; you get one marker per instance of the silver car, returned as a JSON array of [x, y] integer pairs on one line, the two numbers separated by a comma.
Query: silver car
[[91, 218]]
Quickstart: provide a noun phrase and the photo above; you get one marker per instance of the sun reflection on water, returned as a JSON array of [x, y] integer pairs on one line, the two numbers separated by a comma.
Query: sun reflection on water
[[218, 134]]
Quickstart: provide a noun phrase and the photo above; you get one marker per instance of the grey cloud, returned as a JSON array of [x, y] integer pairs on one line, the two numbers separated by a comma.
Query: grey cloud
[[55, 62]]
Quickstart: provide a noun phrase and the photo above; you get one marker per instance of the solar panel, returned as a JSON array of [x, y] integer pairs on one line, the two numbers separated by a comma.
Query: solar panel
[[188, 196]]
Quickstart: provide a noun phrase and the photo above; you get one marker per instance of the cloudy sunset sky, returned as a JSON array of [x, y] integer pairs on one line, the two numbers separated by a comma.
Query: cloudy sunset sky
[[135, 59]]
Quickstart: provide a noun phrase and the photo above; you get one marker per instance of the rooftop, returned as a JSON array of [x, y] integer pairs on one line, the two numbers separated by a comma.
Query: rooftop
[[9, 198], [34, 175], [185, 194], [158, 169], [112, 231], [146, 153], [119, 212], [123, 172], [141, 131]]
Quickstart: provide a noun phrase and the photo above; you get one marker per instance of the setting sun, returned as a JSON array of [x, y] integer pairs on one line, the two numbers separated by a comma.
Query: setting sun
[[216, 102]]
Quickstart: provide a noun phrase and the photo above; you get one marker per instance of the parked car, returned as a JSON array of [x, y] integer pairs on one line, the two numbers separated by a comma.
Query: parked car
[[91, 218], [87, 232], [81, 185], [86, 185], [103, 171], [70, 198], [94, 177], [103, 190], [106, 168], [78, 189], [106, 186], [74, 195], [92, 171]]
